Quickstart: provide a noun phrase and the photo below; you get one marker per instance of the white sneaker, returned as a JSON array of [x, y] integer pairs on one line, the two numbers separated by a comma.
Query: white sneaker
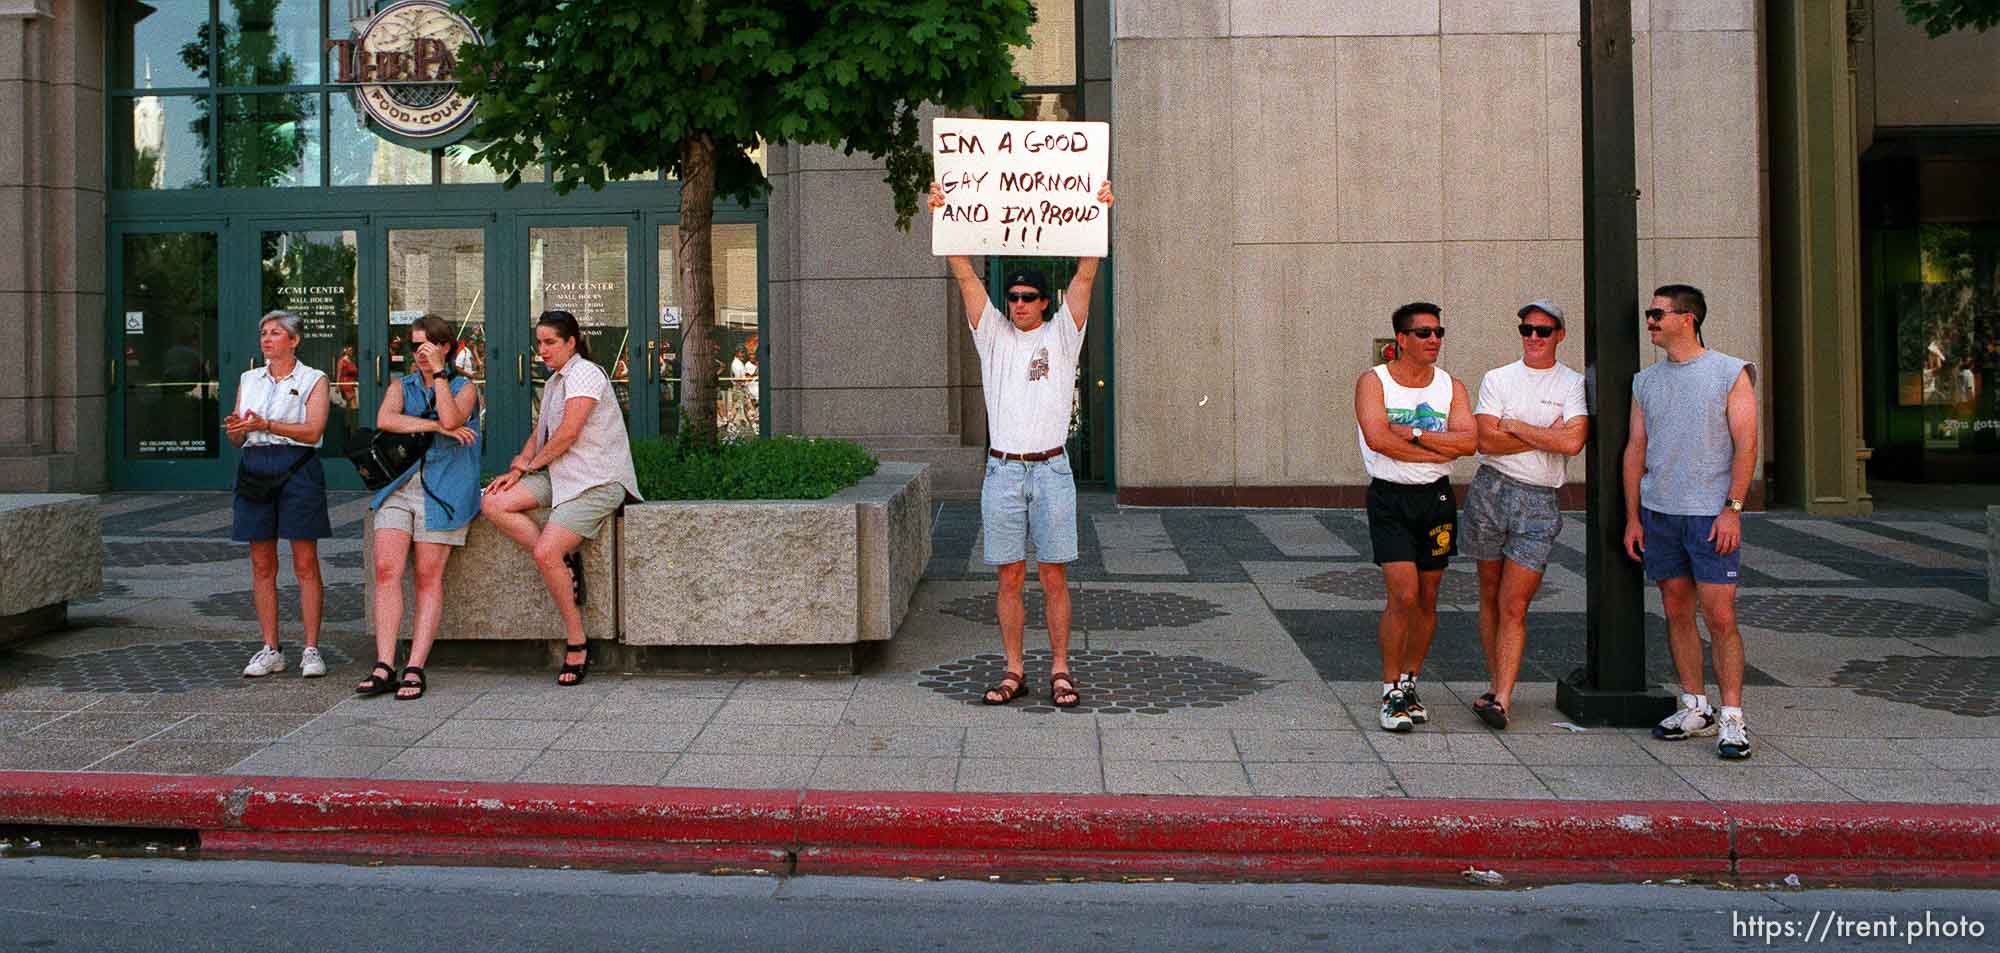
[[1411, 703], [310, 664], [1396, 713], [1734, 745], [1694, 719], [266, 661]]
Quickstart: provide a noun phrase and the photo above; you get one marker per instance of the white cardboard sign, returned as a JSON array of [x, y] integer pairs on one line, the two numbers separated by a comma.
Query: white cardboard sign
[[1020, 188]]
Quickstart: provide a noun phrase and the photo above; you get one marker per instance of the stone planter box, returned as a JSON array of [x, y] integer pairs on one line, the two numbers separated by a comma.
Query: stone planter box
[[492, 591], [51, 551], [837, 571]]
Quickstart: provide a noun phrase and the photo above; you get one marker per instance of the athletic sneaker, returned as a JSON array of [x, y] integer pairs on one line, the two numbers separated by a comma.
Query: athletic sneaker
[[310, 664], [1410, 702], [266, 661], [1694, 719], [1734, 745], [1396, 712]]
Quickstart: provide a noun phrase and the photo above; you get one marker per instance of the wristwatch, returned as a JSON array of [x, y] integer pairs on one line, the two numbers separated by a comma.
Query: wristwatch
[[1416, 435], [1736, 505]]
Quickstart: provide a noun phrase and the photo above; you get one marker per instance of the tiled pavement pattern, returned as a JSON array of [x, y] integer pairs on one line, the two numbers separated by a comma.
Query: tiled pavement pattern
[[1876, 676]]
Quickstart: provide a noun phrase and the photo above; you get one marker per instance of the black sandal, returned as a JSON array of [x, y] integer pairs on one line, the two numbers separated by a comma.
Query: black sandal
[[1490, 711], [375, 684], [579, 670], [1056, 693], [575, 563], [1012, 685], [419, 684]]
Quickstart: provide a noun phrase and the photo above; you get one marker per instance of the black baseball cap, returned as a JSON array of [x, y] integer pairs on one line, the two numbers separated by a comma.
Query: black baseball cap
[[1030, 277]]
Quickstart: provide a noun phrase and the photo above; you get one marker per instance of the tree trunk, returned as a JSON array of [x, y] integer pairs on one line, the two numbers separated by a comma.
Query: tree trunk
[[700, 360]]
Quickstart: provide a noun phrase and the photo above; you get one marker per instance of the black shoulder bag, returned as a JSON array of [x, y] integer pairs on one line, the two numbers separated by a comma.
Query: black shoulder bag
[[380, 456]]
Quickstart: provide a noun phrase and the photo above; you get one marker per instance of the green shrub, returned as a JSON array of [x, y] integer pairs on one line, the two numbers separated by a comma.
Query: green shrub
[[776, 468]]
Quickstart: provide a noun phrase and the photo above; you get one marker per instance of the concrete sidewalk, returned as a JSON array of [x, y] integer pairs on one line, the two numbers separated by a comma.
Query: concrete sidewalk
[[1221, 652]]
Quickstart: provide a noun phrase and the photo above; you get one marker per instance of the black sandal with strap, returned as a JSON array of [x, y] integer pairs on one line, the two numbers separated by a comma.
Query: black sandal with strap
[[1012, 685], [419, 684], [1490, 711], [1056, 692], [578, 670], [378, 684]]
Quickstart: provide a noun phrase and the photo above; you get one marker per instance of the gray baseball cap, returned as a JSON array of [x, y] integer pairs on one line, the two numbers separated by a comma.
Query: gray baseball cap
[[1545, 306]]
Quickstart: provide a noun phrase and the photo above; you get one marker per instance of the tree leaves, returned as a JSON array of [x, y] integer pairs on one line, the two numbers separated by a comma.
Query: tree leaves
[[619, 83], [1939, 17]]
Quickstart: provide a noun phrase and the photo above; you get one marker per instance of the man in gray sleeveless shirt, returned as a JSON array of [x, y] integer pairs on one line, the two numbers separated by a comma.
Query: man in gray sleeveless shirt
[[1688, 462]]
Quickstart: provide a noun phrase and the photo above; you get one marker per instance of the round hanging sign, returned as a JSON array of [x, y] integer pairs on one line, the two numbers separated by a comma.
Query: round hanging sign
[[403, 66]]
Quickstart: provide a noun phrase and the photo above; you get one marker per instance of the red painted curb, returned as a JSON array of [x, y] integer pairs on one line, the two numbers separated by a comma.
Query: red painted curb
[[66, 798], [1027, 835], [1959, 842], [1498, 830], [456, 809]]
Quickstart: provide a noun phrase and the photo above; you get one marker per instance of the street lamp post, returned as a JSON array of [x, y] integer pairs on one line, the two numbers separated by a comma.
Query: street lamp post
[[1611, 688]]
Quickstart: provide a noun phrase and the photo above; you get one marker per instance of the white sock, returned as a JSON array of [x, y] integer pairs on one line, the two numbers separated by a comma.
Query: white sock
[[1732, 710], [1387, 688]]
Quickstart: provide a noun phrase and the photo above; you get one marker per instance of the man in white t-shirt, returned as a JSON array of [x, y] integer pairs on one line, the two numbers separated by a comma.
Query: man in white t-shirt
[[1028, 361], [1532, 416]]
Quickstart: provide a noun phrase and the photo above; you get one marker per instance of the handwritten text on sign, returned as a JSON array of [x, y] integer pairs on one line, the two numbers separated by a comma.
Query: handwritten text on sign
[[1020, 188]]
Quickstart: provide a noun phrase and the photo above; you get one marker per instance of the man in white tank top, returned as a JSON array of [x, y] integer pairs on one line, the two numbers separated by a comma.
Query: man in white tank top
[[1413, 419]]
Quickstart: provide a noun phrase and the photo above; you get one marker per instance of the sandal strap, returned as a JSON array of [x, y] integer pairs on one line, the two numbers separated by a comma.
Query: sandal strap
[[417, 670], [383, 667]]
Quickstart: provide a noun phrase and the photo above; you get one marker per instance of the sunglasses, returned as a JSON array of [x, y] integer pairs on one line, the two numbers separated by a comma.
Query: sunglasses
[[1025, 297], [1655, 314], [1426, 333], [1538, 330]]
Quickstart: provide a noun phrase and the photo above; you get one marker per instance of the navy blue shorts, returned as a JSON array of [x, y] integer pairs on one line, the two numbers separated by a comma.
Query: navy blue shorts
[[299, 512], [1678, 546]]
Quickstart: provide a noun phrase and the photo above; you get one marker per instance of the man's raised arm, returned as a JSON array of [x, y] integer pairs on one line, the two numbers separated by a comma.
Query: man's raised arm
[[970, 288], [1077, 298]]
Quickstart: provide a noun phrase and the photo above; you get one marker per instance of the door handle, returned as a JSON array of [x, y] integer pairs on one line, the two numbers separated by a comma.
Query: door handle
[[379, 379], [520, 368], [1100, 383]]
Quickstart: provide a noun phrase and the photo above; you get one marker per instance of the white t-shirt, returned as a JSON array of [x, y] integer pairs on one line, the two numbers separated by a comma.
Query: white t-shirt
[[1539, 398], [1029, 379], [602, 453]]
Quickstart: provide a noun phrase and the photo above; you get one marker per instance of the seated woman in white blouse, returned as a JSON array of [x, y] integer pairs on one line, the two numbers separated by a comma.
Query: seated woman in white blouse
[[280, 415], [580, 442]]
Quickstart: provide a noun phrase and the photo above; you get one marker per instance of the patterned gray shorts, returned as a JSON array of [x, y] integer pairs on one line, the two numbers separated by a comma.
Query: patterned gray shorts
[[1508, 518]]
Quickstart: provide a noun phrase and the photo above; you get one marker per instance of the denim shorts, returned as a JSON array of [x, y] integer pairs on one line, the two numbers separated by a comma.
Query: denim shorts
[[299, 512], [1022, 499], [1678, 546], [1505, 518]]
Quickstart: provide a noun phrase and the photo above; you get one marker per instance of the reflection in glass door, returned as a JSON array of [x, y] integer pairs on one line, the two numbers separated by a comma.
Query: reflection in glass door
[[582, 270], [439, 271], [735, 355], [314, 275], [167, 339]]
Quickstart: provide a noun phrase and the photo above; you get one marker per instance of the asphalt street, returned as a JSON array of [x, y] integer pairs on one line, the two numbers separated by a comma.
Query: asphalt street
[[153, 906]]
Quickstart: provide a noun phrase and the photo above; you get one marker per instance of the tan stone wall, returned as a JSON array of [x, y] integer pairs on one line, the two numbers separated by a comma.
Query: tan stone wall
[[1288, 173], [52, 392]]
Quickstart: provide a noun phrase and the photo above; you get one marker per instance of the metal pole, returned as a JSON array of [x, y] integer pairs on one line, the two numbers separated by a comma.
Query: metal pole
[[1611, 688]]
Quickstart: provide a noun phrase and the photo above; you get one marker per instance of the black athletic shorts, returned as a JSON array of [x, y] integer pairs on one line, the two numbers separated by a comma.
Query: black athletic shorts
[[1413, 523]]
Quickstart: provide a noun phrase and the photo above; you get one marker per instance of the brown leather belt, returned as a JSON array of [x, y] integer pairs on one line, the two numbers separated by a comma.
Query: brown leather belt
[[1029, 457]]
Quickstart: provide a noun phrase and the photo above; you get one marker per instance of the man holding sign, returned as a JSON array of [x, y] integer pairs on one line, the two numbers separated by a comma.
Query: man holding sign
[[1028, 362]]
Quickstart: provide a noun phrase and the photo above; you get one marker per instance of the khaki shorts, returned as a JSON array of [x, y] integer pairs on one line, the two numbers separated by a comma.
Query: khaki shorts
[[404, 510], [586, 513]]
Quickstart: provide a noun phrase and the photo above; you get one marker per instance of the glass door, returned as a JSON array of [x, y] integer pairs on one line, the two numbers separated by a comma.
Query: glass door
[[737, 355], [168, 359], [313, 270], [584, 266], [445, 267]]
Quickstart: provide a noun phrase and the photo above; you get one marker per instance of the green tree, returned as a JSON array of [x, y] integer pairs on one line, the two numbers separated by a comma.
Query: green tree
[[603, 89], [1939, 17]]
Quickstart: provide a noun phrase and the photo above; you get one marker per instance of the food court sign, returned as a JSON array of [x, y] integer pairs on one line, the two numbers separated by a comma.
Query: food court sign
[[403, 67]]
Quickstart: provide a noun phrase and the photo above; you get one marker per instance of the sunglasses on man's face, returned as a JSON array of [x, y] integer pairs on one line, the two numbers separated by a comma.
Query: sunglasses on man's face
[[1538, 330], [1025, 297], [1426, 333], [1655, 314]]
